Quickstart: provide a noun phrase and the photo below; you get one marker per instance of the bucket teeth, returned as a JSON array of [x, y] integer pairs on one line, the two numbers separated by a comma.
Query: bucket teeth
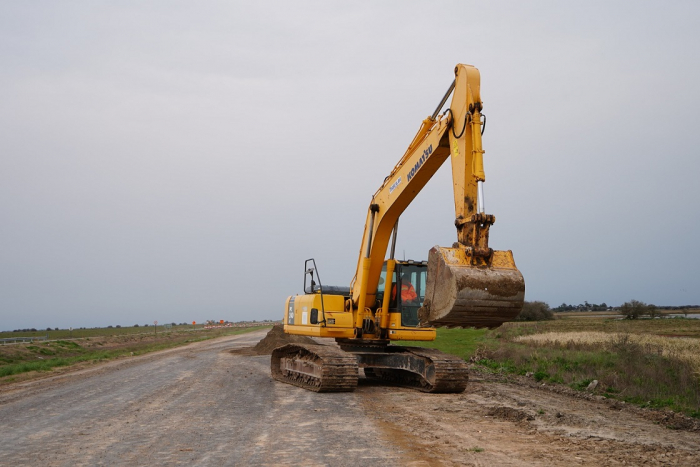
[[459, 294]]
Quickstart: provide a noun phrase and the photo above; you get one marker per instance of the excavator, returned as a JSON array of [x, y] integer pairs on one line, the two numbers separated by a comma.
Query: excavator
[[466, 285]]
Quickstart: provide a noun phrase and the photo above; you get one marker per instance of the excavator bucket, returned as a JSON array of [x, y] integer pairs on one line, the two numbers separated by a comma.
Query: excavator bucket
[[461, 294]]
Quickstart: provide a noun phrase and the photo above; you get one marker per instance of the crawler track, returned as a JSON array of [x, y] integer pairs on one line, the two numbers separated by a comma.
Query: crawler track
[[318, 368], [428, 370], [322, 368]]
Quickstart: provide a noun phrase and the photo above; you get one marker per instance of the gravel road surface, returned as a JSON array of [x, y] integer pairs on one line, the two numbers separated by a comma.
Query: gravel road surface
[[196, 405], [211, 403]]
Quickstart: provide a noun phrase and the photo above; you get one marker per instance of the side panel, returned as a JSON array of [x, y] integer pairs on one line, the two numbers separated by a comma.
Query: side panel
[[297, 316], [397, 332], [289, 310]]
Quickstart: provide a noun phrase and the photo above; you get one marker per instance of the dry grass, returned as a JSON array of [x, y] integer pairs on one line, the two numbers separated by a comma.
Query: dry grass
[[650, 362], [675, 327], [682, 348]]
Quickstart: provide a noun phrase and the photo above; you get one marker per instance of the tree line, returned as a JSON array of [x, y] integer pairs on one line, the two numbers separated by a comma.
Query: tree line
[[585, 306], [634, 309]]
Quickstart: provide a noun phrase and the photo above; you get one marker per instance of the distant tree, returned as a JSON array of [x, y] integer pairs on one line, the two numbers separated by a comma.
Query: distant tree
[[48, 329], [535, 311], [119, 325], [55, 329], [564, 307], [633, 309], [136, 325], [652, 311], [110, 326]]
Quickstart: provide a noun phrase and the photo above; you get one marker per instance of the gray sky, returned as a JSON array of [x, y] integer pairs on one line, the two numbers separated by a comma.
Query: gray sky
[[178, 161]]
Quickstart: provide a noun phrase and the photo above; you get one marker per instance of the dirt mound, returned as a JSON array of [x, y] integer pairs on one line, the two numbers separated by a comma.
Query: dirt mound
[[277, 338], [675, 421], [510, 414]]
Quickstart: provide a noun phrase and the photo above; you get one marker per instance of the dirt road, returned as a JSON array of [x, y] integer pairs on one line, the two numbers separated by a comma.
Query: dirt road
[[203, 405]]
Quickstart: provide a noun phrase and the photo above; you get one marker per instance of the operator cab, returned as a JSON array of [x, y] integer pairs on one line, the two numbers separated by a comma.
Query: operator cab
[[408, 292]]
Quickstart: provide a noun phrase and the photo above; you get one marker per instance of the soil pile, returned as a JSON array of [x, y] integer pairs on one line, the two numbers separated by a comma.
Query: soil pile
[[277, 338], [510, 414]]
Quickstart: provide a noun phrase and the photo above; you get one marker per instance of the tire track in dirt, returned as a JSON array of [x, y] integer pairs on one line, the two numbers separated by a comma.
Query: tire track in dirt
[[510, 424]]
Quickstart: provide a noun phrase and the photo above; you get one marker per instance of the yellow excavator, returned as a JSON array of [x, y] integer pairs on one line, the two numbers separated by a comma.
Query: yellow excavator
[[467, 285]]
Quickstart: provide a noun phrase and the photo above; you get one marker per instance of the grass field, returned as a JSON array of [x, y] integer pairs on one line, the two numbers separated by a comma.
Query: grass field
[[654, 363], [98, 344], [589, 314], [98, 332]]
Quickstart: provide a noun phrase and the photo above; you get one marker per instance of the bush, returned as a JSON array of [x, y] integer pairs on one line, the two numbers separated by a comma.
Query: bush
[[634, 309], [535, 311]]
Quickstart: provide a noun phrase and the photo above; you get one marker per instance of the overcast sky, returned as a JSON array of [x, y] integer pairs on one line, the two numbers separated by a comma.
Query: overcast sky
[[178, 161]]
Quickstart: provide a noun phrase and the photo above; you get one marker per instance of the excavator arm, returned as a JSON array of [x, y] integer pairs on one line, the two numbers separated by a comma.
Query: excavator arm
[[466, 285], [469, 284]]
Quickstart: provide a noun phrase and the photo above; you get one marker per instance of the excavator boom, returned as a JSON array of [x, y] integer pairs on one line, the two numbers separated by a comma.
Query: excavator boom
[[468, 285]]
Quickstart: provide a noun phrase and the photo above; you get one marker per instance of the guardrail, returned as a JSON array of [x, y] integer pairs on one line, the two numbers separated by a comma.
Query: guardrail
[[17, 340]]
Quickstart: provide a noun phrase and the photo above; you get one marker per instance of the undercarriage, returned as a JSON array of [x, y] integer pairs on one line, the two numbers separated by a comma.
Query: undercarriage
[[330, 368]]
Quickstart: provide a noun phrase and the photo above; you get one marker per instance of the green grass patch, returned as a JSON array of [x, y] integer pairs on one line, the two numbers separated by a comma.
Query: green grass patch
[[66, 353], [460, 342], [42, 365], [68, 344]]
